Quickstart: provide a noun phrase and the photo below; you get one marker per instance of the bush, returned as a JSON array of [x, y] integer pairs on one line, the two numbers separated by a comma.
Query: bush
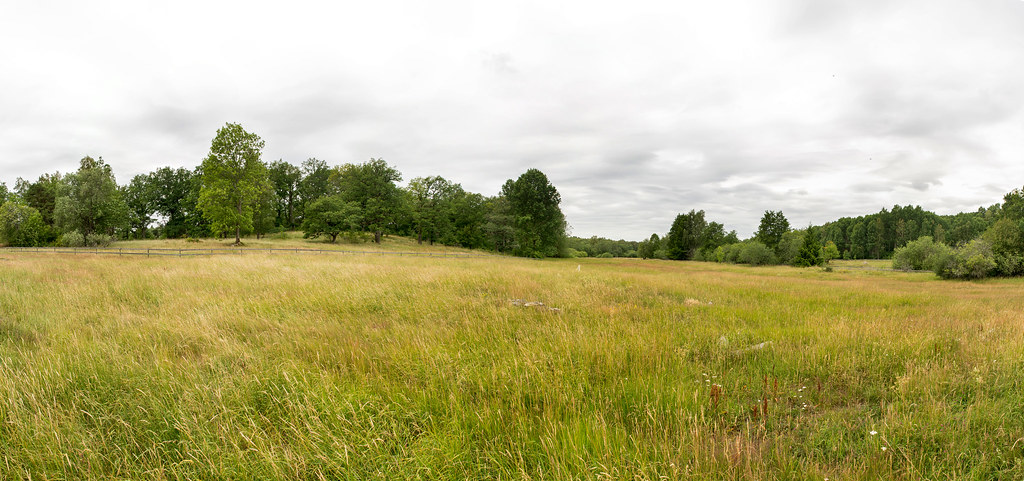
[[98, 240], [21, 225], [573, 253], [720, 254], [732, 253], [71, 239], [757, 254], [605, 255], [921, 254], [970, 261]]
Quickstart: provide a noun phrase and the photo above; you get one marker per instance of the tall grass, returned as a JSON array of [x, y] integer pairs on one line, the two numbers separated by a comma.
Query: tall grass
[[329, 367]]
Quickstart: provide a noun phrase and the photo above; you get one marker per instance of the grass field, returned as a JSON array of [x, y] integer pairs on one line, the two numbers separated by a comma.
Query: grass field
[[291, 366]]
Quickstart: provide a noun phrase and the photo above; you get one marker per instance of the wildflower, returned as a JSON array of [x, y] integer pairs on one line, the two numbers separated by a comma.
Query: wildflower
[[884, 448], [873, 433]]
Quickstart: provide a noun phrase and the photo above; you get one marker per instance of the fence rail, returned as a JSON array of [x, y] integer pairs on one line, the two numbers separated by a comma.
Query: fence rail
[[871, 268], [193, 252]]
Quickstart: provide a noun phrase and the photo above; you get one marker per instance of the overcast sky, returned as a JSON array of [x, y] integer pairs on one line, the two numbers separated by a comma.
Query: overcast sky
[[635, 110]]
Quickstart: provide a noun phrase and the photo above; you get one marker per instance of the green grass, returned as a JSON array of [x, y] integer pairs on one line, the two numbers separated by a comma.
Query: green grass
[[290, 366]]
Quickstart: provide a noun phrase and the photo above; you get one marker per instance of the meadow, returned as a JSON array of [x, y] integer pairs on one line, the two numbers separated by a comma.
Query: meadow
[[302, 366]]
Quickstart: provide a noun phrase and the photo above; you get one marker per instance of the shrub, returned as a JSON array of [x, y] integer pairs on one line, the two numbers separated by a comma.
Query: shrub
[[21, 225], [605, 255], [720, 254], [71, 239], [921, 254], [100, 240], [970, 261], [732, 252], [757, 254]]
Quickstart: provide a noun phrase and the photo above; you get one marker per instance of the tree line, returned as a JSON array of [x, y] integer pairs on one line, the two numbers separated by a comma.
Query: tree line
[[987, 242], [234, 193]]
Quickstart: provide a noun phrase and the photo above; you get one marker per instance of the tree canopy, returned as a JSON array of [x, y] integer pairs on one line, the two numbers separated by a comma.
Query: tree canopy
[[233, 179], [537, 220]]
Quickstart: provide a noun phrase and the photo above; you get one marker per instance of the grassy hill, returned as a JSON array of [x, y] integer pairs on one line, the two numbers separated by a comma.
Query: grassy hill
[[293, 366]]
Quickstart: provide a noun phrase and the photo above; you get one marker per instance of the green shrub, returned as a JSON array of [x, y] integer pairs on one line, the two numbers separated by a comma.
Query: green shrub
[[21, 225], [98, 240], [757, 254], [71, 239], [605, 255], [970, 261], [921, 254]]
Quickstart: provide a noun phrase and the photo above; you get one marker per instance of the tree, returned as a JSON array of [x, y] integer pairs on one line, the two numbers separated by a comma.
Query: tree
[[4, 193], [174, 196], [139, 197], [647, 248], [498, 226], [233, 177], [91, 202], [773, 226], [537, 220], [371, 185], [858, 240], [468, 218], [686, 235], [264, 212], [21, 225], [286, 179], [829, 251], [810, 252], [432, 201], [331, 216], [314, 184], [42, 194]]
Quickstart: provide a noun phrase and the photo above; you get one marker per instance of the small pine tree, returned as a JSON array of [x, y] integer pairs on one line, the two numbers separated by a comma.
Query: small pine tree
[[810, 251]]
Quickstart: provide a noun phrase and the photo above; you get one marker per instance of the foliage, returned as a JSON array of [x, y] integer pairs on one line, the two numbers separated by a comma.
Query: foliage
[[537, 220], [829, 251], [789, 246], [810, 251], [140, 197], [647, 248], [686, 235], [974, 260], [90, 201], [331, 216], [21, 225], [595, 246], [773, 225], [432, 202], [921, 254], [756, 253], [233, 179], [71, 239], [286, 180], [371, 185]]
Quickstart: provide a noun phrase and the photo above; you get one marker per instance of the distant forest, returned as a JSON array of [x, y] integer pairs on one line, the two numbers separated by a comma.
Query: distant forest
[[234, 193]]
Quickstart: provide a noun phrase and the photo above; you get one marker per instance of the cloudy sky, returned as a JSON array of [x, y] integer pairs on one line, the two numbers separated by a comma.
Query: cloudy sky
[[636, 110]]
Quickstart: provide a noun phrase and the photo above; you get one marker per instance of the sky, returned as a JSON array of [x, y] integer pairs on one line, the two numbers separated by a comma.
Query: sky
[[636, 111]]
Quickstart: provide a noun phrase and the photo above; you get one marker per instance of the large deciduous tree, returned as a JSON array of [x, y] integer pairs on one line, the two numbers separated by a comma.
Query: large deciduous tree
[[91, 202], [286, 179], [773, 225], [538, 223], [331, 216], [233, 178], [432, 200], [371, 185], [686, 235], [21, 225]]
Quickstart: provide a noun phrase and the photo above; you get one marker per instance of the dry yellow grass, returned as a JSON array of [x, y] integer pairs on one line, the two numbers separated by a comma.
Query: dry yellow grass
[[323, 367]]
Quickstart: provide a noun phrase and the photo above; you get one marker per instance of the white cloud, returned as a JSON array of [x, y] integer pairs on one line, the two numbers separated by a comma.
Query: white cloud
[[635, 111]]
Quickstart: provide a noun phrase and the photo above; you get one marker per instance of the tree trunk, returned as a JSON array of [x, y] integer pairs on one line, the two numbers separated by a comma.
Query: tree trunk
[[238, 225], [376, 236]]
